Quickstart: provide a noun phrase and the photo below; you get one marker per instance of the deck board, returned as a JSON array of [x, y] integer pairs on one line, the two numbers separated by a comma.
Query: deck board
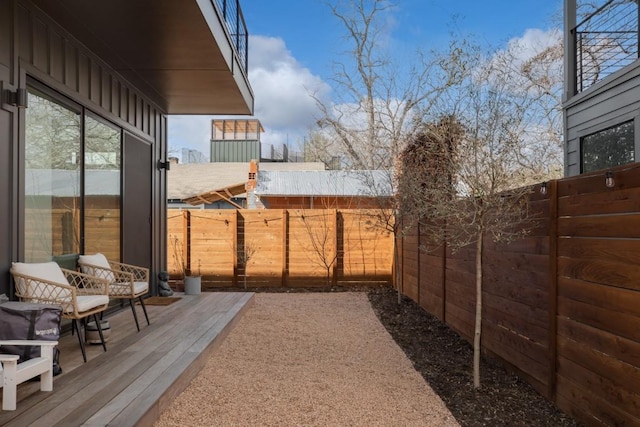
[[140, 373]]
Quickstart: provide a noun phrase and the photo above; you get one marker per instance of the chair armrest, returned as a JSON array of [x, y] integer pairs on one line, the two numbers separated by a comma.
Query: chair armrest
[[37, 290], [85, 284], [111, 275], [39, 343], [9, 357], [140, 274]]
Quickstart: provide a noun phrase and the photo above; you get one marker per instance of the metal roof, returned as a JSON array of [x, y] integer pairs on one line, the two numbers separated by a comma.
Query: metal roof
[[188, 180], [372, 183]]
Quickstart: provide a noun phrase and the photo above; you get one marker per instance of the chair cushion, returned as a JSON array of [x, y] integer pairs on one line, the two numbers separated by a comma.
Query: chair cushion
[[98, 260], [40, 270], [140, 287], [87, 302], [116, 289]]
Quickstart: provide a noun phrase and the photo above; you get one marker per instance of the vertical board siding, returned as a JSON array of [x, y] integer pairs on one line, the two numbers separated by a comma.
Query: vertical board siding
[[288, 247], [61, 59], [561, 306]]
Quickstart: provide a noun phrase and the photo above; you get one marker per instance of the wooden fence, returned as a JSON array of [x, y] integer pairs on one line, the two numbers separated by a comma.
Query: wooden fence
[[289, 248], [562, 306]]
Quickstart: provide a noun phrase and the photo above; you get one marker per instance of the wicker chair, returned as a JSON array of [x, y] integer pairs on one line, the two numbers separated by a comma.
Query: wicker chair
[[79, 295], [126, 281]]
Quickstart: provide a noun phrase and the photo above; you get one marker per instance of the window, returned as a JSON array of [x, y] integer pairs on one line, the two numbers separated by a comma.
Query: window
[[610, 147], [52, 178], [102, 149], [72, 168]]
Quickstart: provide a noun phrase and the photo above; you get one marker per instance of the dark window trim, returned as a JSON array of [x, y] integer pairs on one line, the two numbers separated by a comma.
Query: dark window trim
[[582, 138]]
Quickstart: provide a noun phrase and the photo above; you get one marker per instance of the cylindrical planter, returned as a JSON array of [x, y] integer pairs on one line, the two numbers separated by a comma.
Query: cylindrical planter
[[92, 336], [192, 285]]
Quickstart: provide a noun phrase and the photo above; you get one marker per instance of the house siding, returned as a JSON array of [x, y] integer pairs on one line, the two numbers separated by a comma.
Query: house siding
[[612, 102], [34, 46]]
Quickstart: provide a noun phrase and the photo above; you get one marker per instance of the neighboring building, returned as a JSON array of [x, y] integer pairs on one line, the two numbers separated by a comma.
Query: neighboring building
[[602, 86], [278, 189], [220, 185], [86, 88], [235, 140]]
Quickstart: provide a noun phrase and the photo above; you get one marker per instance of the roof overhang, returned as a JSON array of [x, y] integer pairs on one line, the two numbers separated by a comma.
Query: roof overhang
[[178, 53]]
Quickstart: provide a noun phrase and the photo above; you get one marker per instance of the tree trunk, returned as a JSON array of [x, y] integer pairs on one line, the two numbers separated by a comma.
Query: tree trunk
[[478, 327], [398, 274]]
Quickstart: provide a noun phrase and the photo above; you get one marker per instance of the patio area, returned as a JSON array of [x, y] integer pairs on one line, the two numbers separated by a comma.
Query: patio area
[[141, 372]]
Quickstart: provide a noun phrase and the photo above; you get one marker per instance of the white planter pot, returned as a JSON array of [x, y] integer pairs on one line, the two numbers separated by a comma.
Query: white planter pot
[[192, 285]]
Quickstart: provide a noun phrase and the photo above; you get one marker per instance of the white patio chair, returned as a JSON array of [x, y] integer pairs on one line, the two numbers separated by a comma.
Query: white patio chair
[[126, 281], [79, 295], [13, 373]]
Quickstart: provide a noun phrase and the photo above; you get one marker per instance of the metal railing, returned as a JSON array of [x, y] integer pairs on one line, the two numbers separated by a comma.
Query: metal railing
[[237, 28], [606, 40]]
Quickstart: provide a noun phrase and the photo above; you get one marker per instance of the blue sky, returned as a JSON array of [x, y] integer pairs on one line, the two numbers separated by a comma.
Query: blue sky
[[293, 44]]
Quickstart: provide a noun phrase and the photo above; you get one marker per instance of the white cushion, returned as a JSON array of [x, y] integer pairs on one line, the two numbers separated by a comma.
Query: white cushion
[[98, 260], [87, 302], [42, 270], [140, 287], [125, 288], [49, 271]]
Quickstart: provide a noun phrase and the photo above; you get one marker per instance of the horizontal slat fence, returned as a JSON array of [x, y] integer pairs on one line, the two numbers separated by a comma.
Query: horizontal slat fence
[[289, 248], [561, 307]]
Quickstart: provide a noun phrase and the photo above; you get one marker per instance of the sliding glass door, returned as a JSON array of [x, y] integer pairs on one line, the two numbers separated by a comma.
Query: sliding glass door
[[51, 178], [72, 191], [102, 166]]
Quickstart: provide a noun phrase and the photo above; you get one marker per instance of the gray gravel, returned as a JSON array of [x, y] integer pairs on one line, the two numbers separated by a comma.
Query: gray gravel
[[308, 359]]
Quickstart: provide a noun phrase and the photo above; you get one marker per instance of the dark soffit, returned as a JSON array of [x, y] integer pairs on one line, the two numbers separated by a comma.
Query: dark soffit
[[176, 51]]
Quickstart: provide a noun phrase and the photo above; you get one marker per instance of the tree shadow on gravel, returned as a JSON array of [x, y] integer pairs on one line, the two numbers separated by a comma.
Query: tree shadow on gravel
[[445, 361]]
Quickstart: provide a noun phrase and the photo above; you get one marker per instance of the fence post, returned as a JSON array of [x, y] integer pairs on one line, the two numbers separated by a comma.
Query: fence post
[[334, 267], [553, 288], [235, 230], [444, 280], [186, 233], [285, 246], [419, 253]]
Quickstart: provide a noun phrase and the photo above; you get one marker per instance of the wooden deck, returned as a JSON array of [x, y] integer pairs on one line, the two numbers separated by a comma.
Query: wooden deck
[[141, 372]]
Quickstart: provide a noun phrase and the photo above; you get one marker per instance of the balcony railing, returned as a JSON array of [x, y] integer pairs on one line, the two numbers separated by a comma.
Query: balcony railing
[[606, 40], [237, 28]]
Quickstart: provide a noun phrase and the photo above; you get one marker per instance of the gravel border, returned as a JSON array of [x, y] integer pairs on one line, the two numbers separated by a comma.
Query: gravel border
[[312, 359]]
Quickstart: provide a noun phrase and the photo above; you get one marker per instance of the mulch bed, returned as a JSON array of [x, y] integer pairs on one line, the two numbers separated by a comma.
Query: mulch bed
[[445, 361]]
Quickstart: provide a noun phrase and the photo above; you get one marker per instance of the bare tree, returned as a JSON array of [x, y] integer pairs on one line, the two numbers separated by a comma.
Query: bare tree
[[378, 96], [318, 148], [532, 76], [380, 102], [245, 253], [473, 169], [321, 232]]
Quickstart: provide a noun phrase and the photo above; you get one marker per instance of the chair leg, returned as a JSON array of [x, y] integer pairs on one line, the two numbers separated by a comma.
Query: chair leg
[[104, 344], [135, 316], [74, 325], [10, 383], [144, 309]]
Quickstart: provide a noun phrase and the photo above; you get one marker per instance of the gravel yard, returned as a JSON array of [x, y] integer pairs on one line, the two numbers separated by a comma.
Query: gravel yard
[[308, 359]]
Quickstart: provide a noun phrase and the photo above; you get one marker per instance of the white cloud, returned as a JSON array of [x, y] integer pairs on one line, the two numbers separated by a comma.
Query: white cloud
[[282, 89], [283, 104]]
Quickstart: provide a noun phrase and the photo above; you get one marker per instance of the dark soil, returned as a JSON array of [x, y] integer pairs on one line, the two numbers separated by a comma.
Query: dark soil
[[445, 361]]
